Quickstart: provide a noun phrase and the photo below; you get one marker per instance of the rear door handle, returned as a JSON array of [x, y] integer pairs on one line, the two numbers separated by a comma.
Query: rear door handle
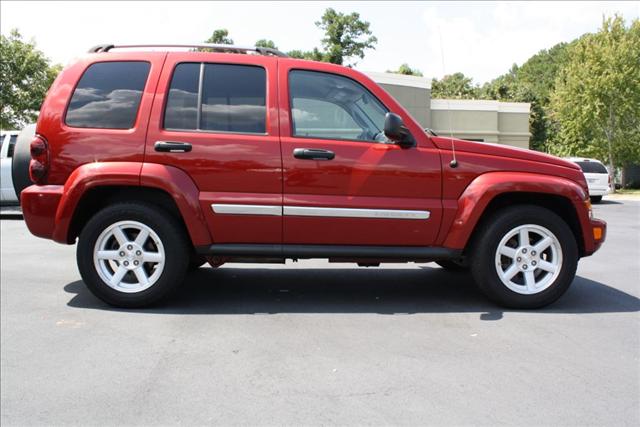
[[313, 154], [172, 147]]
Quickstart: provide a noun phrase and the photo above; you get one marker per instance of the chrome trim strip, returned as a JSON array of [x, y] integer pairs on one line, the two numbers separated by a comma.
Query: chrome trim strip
[[355, 213], [271, 210]]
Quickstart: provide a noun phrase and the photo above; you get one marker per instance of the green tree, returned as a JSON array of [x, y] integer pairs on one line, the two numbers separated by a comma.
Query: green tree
[[220, 36], [407, 70], [25, 77], [346, 36], [455, 86], [597, 96], [312, 55], [266, 43], [533, 82]]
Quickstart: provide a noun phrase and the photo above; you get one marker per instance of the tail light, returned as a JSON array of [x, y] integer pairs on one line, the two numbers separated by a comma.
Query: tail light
[[39, 164]]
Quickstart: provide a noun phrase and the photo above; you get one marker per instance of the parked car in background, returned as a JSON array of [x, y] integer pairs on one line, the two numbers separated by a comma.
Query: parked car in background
[[155, 161], [597, 176], [8, 141]]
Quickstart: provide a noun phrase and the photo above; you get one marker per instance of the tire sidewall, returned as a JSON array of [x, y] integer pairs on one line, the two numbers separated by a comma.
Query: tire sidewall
[[483, 263], [173, 240]]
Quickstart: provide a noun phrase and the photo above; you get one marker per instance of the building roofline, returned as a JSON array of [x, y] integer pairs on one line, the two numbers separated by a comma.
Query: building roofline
[[399, 79], [480, 105]]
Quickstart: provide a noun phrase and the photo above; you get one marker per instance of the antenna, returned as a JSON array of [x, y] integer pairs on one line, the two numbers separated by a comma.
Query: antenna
[[453, 163]]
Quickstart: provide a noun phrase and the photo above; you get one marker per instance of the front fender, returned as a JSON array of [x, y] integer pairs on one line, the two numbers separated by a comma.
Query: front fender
[[482, 190]]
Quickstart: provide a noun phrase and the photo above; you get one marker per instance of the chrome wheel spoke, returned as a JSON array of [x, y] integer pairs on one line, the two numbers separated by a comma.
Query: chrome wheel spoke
[[507, 251], [524, 237], [547, 266], [118, 233], [530, 281], [142, 237], [152, 257], [108, 255], [511, 272], [141, 275], [543, 244], [117, 276]]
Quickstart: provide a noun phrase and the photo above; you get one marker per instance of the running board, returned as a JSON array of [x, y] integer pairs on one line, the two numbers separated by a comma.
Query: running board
[[330, 251]]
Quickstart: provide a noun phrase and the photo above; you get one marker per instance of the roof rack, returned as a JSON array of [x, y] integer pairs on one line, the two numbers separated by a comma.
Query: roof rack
[[214, 47]]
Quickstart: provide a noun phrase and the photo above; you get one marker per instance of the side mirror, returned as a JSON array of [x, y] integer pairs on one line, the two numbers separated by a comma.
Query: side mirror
[[396, 131]]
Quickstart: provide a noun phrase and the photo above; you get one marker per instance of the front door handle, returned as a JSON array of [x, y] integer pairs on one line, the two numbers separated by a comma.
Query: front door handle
[[172, 147], [313, 154]]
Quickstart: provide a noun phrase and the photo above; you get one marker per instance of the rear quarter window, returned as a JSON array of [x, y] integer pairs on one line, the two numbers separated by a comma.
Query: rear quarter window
[[108, 95], [592, 167]]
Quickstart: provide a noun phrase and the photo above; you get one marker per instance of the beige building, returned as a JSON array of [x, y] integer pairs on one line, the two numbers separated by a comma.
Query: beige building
[[477, 120]]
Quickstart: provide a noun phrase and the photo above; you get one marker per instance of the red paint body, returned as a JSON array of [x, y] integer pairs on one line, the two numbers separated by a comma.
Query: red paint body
[[261, 170]]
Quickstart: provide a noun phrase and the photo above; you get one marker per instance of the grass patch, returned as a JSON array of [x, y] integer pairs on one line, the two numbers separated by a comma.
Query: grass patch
[[627, 191]]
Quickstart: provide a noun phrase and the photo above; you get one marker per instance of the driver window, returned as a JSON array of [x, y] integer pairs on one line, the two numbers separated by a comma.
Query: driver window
[[333, 107]]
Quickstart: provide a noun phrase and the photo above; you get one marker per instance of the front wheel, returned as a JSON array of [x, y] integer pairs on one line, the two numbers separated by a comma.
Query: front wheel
[[132, 254], [524, 257]]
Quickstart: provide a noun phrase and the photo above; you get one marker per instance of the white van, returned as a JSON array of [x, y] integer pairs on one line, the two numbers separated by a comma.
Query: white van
[[597, 177]]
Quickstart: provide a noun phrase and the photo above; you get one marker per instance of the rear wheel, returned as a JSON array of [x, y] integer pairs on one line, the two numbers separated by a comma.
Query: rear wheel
[[524, 257], [596, 199], [132, 255]]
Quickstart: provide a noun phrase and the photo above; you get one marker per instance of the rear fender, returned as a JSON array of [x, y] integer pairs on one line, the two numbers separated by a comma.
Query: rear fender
[[173, 181], [84, 178], [184, 192], [482, 190]]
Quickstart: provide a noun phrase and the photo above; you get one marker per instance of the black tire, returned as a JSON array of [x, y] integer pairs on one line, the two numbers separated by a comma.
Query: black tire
[[596, 199], [171, 234], [21, 159], [452, 265], [485, 244]]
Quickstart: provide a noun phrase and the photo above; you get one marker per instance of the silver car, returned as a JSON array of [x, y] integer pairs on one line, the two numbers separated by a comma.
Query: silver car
[[8, 141]]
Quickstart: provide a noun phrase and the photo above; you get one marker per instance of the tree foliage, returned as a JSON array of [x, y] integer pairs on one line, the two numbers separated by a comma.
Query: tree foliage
[[220, 36], [454, 86], [266, 43], [407, 70], [312, 55], [346, 36], [25, 77], [597, 95]]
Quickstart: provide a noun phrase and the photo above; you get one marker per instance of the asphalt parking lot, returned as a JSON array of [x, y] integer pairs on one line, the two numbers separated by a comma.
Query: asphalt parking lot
[[319, 343]]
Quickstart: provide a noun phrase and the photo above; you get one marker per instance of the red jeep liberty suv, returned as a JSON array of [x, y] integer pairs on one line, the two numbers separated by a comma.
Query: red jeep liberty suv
[[160, 160]]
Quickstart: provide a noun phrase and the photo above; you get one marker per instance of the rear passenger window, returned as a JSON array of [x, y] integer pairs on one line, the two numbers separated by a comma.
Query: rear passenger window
[[232, 98], [108, 95], [182, 104]]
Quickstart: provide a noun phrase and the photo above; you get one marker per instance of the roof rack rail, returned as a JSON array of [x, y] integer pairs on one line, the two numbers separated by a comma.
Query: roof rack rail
[[215, 47]]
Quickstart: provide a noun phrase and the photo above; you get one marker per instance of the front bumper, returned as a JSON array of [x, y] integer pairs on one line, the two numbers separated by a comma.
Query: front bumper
[[39, 207]]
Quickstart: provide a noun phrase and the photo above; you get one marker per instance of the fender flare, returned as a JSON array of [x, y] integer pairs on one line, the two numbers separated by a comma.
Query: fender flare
[[486, 187], [172, 180]]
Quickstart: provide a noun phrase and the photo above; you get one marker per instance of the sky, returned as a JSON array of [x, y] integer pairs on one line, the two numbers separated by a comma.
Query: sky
[[481, 39]]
